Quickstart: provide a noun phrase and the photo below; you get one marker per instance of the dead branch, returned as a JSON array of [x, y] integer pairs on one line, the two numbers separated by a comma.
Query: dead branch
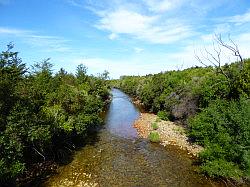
[[199, 59], [214, 57], [39, 153], [233, 48]]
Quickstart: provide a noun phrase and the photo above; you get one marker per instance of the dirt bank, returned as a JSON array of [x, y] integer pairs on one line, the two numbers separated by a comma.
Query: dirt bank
[[170, 133]]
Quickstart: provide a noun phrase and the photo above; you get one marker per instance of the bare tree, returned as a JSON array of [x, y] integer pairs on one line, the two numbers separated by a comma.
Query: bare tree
[[214, 58], [233, 48]]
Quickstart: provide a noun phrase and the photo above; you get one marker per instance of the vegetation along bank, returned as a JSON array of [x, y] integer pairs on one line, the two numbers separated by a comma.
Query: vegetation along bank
[[43, 116], [211, 103]]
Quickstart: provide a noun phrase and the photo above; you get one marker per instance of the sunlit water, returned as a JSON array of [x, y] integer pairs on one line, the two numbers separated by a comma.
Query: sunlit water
[[117, 157]]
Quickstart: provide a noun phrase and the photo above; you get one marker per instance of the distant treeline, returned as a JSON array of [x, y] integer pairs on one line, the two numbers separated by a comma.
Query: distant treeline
[[212, 102], [43, 116]]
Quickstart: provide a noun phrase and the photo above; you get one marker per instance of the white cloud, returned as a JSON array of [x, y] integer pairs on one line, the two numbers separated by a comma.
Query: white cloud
[[138, 49], [5, 30], [149, 64], [113, 36], [240, 19], [162, 5], [243, 41], [143, 27], [222, 28], [118, 68], [43, 42], [124, 21], [48, 43]]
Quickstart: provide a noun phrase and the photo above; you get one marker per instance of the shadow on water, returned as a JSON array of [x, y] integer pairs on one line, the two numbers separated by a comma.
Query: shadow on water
[[115, 156]]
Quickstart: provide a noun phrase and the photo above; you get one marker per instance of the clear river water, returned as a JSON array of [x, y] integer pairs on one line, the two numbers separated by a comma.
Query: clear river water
[[116, 156]]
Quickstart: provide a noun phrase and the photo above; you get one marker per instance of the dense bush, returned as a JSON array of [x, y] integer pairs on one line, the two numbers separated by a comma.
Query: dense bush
[[223, 129], [42, 114], [172, 92]]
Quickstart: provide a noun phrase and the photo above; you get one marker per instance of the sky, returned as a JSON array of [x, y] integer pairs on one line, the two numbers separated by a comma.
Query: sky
[[125, 37]]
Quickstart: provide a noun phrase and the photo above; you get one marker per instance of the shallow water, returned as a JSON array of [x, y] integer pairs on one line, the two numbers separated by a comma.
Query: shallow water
[[117, 157]]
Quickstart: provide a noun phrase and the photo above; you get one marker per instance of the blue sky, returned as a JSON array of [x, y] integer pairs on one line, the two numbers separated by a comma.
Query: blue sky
[[124, 37]]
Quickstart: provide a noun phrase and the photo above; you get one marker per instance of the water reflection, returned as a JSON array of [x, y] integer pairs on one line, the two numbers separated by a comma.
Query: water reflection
[[121, 114]]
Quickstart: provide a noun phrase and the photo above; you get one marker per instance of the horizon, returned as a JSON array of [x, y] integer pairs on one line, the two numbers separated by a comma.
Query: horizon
[[122, 37]]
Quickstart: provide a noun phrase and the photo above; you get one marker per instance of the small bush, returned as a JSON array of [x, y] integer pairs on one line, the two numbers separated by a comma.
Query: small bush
[[154, 136], [154, 126], [180, 130], [163, 115], [158, 120]]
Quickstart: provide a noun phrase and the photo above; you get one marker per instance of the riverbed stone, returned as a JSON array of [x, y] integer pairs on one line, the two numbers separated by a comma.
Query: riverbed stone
[[170, 133]]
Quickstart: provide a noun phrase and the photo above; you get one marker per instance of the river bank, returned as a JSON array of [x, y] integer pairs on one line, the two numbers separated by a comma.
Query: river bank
[[170, 133]]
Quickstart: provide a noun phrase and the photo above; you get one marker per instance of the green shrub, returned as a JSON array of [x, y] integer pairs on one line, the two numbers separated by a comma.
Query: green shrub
[[154, 136], [221, 167], [158, 120], [163, 115], [154, 126], [223, 129], [180, 130], [42, 113]]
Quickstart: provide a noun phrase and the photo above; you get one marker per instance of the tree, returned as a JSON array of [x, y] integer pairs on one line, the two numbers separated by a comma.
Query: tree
[[11, 73], [81, 73], [231, 73]]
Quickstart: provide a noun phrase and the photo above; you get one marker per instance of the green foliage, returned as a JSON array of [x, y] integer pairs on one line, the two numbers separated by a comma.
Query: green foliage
[[154, 136], [223, 168], [81, 73], [180, 130], [158, 120], [166, 91], [154, 126], [41, 113], [223, 129], [163, 115]]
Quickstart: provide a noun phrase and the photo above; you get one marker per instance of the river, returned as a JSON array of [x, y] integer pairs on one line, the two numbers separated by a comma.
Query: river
[[116, 156]]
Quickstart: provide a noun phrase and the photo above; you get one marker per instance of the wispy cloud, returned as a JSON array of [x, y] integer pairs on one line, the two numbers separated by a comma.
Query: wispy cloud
[[155, 21], [131, 37], [138, 49], [113, 36], [5, 30], [160, 6], [239, 19], [124, 21], [42, 42], [48, 43], [76, 3], [119, 67], [146, 28]]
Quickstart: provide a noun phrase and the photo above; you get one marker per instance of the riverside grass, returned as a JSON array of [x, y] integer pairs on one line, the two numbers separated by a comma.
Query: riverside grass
[[154, 137]]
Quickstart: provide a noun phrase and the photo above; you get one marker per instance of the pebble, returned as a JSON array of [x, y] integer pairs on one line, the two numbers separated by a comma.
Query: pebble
[[170, 133]]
